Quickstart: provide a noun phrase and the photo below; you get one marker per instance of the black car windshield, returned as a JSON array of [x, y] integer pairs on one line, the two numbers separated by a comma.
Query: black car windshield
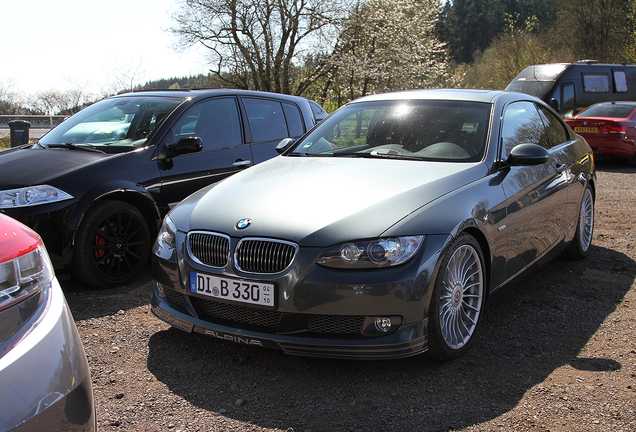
[[609, 110], [453, 131], [113, 125]]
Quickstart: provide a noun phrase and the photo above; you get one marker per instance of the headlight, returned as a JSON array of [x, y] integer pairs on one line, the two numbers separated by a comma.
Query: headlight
[[33, 195], [372, 253], [25, 268], [167, 237]]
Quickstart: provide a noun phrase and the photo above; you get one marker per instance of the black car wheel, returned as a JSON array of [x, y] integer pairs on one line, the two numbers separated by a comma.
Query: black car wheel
[[112, 245], [458, 299], [584, 230]]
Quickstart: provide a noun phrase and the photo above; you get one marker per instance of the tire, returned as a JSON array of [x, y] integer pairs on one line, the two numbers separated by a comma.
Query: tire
[[458, 300], [582, 241], [112, 245]]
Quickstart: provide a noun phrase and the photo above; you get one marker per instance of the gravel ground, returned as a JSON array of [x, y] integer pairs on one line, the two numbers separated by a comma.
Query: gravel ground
[[556, 352]]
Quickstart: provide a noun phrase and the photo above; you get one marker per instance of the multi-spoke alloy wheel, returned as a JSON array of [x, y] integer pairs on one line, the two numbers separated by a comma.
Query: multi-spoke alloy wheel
[[113, 245], [585, 229], [586, 220], [458, 299]]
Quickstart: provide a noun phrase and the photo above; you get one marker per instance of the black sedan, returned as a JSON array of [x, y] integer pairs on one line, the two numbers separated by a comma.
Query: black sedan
[[382, 232], [96, 187]]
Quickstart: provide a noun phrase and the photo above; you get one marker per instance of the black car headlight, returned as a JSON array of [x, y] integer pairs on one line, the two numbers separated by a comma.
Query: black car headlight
[[384, 252], [32, 195]]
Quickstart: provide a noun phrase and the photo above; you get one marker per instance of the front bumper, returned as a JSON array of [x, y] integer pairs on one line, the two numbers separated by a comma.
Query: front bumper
[[407, 341], [320, 312], [50, 221], [46, 384]]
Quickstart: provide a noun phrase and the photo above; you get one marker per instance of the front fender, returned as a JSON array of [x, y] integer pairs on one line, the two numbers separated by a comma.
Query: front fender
[[118, 190]]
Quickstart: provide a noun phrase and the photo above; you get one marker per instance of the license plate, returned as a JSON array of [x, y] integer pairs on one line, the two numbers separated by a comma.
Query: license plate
[[231, 289], [581, 129]]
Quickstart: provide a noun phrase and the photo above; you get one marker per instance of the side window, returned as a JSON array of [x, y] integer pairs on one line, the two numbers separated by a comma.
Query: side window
[[294, 120], [620, 82], [319, 112], [215, 121], [522, 125], [596, 83], [555, 129], [266, 118], [568, 95]]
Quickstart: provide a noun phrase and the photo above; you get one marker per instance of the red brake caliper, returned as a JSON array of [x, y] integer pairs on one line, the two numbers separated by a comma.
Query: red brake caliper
[[99, 241]]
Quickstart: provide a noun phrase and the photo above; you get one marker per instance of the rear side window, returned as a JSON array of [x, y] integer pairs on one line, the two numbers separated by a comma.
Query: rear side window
[[620, 82], [319, 112], [266, 118], [556, 130], [294, 120]]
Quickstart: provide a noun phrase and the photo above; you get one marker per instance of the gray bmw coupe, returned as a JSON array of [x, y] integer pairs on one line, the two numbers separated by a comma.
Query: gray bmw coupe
[[382, 232]]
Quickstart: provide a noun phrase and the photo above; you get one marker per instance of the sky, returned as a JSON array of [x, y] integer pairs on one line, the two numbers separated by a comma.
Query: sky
[[69, 44]]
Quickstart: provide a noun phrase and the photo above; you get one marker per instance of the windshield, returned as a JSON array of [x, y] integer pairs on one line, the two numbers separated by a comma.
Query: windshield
[[113, 125], [608, 110], [404, 129]]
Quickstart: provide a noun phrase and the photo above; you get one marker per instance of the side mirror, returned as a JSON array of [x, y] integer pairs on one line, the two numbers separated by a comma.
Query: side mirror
[[285, 144], [554, 104], [185, 145], [527, 154]]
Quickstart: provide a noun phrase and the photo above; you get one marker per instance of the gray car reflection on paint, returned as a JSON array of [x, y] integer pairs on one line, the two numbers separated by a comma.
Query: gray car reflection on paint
[[382, 232]]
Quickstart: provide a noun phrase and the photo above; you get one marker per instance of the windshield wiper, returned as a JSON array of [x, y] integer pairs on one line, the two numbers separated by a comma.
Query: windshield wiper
[[71, 146]]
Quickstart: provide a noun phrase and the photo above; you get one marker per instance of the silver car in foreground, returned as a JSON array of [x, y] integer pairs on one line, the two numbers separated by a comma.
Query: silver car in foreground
[[44, 375]]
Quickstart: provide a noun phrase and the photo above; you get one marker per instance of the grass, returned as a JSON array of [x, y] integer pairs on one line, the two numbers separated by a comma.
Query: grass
[[5, 142]]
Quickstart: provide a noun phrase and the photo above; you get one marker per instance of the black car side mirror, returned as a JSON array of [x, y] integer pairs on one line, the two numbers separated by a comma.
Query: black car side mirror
[[285, 144], [554, 104], [185, 145], [527, 154]]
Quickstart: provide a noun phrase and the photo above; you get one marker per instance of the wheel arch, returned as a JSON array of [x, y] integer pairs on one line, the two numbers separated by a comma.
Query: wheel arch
[[133, 195], [485, 251]]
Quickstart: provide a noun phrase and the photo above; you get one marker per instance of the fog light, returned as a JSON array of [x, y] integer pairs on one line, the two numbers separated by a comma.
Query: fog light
[[383, 324], [159, 289]]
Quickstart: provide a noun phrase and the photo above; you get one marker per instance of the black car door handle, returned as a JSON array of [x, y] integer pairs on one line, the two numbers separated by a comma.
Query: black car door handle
[[242, 163]]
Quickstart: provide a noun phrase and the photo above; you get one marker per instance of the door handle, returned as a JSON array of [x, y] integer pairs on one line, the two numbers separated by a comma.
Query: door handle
[[560, 168], [242, 163]]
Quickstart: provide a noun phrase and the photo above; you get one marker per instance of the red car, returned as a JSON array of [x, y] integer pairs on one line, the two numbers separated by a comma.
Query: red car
[[609, 128]]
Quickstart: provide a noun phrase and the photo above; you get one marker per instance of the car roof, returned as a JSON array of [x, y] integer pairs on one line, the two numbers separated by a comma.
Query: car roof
[[204, 93], [476, 95]]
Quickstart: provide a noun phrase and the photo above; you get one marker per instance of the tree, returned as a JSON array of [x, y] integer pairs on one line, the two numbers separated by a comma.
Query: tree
[[260, 44], [511, 53], [603, 30], [470, 26], [388, 45]]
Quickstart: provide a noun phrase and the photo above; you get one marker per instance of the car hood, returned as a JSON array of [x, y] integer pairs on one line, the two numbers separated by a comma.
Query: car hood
[[30, 167], [323, 201]]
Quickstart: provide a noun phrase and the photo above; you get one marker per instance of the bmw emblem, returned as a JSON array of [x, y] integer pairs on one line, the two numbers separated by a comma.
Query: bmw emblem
[[243, 223]]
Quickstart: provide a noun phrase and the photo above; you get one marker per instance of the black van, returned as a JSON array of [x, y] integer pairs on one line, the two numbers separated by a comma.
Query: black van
[[570, 87]]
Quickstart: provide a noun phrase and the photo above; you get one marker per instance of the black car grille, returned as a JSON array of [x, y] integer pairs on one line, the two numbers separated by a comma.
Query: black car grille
[[342, 324], [210, 249], [240, 314], [263, 256]]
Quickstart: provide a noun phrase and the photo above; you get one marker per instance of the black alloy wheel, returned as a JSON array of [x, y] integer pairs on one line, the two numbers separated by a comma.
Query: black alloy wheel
[[112, 245]]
